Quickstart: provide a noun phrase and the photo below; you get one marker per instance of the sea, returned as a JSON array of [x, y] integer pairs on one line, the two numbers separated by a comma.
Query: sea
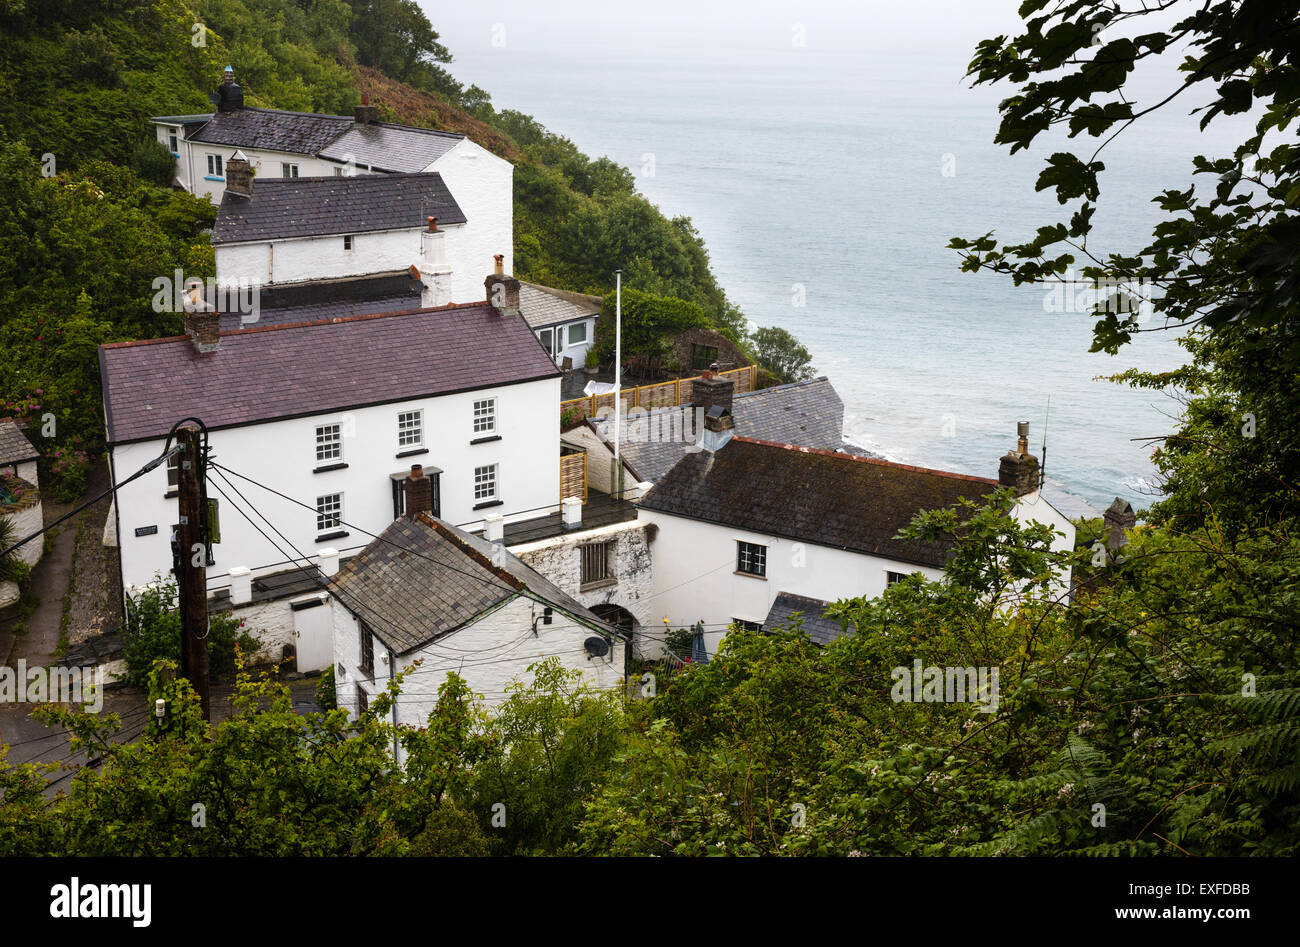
[[827, 182]]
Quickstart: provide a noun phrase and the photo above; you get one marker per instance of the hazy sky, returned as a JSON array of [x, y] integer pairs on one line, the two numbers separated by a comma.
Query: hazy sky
[[661, 25]]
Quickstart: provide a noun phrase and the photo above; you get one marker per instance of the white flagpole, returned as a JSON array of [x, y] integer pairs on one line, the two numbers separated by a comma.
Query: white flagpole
[[618, 378]]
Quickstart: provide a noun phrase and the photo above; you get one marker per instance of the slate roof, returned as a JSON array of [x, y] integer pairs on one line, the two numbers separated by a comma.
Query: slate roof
[[543, 306], [386, 147], [282, 303], [15, 448], [307, 207], [272, 372], [853, 503], [304, 133], [811, 612], [423, 579], [805, 413]]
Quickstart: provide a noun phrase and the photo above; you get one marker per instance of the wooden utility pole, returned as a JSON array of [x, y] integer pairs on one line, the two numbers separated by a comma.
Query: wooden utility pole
[[192, 577]]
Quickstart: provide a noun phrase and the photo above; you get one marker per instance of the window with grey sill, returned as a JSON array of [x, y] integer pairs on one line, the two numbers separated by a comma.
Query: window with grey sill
[[329, 512], [751, 559], [410, 429]]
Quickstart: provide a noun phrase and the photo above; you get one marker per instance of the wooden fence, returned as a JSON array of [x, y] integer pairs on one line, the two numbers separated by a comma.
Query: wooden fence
[[661, 395], [573, 472]]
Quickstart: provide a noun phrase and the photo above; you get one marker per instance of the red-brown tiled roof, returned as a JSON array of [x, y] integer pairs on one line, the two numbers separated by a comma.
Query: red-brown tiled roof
[[817, 496]]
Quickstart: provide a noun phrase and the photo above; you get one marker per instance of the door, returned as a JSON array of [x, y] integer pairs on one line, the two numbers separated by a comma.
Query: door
[[314, 633]]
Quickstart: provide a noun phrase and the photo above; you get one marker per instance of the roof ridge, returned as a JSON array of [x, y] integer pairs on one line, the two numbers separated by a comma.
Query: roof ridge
[[790, 384], [258, 108], [335, 320], [865, 460], [428, 519]]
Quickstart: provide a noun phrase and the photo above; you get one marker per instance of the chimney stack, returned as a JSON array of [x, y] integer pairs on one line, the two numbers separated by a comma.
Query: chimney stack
[[229, 96], [1019, 468], [239, 175], [711, 389], [365, 113], [202, 321], [1119, 516], [502, 290], [419, 492]]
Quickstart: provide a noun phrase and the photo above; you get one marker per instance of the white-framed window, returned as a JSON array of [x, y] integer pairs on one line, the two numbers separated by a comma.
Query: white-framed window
[[485, 482], [329, 512], [288, 170], [348, 243], [171, 141], [329, 443], [215, 166], [338, 172], [751, 558], [485, 416], [577, 333], [410, 428], [174, 470]]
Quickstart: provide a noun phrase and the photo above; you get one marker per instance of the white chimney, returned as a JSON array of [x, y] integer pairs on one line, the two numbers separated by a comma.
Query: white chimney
[[639, 490], [571, 512], [329, 561], [241, 585], [494, 527], [435, 272]]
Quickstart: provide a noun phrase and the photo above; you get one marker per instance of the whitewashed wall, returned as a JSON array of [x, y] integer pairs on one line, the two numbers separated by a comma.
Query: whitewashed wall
[[503, 641], [483, 186], [312, 258], [26, 522], [1033, 508], [560, 560], [695, 574], [281, 454]]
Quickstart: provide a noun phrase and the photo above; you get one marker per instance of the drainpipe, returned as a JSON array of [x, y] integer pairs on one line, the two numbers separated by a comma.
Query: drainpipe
[[392, 670]]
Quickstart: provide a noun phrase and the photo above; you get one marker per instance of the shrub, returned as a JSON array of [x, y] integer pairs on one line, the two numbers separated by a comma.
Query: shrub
[[152, 160], [325, 696], [153, 631]]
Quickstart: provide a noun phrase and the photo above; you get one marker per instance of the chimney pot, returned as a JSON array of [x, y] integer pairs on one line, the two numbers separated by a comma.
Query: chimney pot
[[433, 225], [1019, 468], [500, 264]]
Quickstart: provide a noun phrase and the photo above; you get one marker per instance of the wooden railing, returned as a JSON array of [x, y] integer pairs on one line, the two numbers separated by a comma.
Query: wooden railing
[[660, 395]]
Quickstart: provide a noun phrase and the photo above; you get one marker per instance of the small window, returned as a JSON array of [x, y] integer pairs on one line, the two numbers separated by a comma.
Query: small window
[[329, 512], [892, 577], [171, 142], [174, 470], [363, 703], [577, 333], [751, 559], [367, 652], [747, 625], [347, 242], [485, 482], [329, 443], [485, 416], [547, 338], [338, 172], [410, 428], [702, 356], [288, 170], [595, 562], [214, 166]]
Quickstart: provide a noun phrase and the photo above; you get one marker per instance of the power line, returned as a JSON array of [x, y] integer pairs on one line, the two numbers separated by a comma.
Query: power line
[[91, 502]]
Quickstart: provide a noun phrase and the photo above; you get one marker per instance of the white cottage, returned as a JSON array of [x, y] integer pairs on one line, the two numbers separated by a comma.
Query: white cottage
[[319, 424], [425, 590], [285, 145], [752, 531]]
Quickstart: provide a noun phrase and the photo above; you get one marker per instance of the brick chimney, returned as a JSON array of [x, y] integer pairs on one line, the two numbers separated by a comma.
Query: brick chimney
[[1119, 516], [202, 321], [1019, 468], [365, 113], [229, 96], [712, 389], [419, 492], [502, 290], [239, 175]]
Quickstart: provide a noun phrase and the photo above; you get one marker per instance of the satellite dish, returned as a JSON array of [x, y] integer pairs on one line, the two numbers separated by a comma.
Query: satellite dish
[[597, 647]]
